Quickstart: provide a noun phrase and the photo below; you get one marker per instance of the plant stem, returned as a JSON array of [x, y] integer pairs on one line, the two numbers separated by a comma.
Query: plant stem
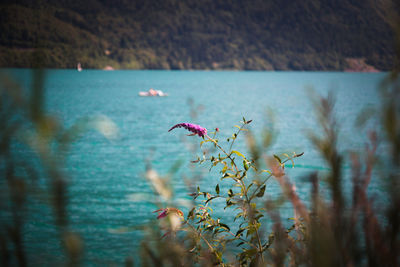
[[223, 150], [242, 185], [201, 236], [244, 240], [266, 179], [236, 135], [260, 248]]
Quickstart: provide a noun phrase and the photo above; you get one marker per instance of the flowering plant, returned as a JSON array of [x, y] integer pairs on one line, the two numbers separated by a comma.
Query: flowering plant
[[244, 194], [325, 232], [194, 128]]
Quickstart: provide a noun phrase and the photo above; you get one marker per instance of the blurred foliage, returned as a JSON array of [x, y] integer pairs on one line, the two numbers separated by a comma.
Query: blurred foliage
[[25, 124], [172, 34], [32, 155]]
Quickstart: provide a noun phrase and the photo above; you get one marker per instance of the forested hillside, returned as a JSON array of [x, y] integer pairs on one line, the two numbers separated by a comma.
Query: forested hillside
[[193, 34]]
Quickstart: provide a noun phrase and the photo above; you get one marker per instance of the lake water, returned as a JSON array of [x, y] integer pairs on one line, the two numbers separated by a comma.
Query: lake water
[[107, 189]]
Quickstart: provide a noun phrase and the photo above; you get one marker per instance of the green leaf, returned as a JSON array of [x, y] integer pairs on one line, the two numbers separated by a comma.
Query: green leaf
[[218, 254], [291, 228], [261, 192], [238, 216], [205, 141], [267, 171], [278, 159], [209, 228], [190, 214], [271, 239], [250, 185], [258, 217], [227, 175], [230, 193], [238, 153], [211, 198], [224, 226], [240, 231], [245, 165], [289, 158], [224, 168], [217, 189], [251, 252]]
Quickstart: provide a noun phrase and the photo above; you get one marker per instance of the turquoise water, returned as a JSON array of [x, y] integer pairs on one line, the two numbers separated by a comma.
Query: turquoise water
[[105, 175]]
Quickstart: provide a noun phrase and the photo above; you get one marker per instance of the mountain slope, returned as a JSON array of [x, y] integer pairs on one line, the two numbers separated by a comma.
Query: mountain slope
[[209, 34]]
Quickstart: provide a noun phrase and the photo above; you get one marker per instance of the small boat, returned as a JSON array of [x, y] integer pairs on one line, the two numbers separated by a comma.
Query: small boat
[[152, 92], [108, 68], [79, 67]]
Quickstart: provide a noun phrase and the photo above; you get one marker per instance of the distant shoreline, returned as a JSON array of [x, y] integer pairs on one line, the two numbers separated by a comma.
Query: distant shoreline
[[199, 70]]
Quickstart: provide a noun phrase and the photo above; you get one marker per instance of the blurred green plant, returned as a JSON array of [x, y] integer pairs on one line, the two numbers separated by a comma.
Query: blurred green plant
[[24, 124]]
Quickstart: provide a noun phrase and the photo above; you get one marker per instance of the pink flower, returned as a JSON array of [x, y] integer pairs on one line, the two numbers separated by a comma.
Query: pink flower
[[194, 128], [162, 214], [166, 211]]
